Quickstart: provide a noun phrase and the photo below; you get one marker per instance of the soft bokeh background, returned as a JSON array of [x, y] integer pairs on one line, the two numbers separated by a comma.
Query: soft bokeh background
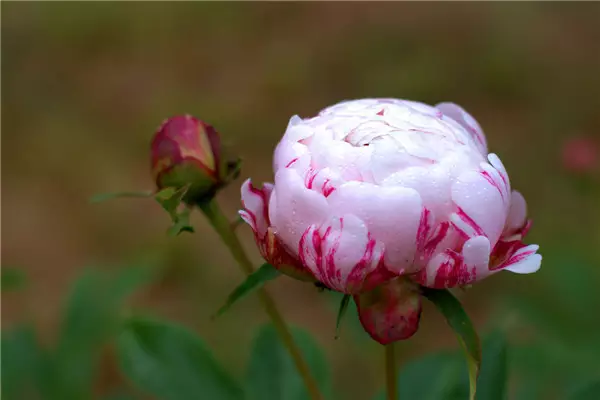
[[84, 85]]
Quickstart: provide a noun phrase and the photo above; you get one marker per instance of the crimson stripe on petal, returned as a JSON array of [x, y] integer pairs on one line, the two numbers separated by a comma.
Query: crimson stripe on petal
[[250, 218], [291, 162], [358, 273], [468, 221], [424, 228], [450, 272], [492, 182], [265, 203]]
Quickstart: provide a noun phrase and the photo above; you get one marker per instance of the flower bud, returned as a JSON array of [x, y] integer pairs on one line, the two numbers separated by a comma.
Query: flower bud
[[186, 151], [390, 312]]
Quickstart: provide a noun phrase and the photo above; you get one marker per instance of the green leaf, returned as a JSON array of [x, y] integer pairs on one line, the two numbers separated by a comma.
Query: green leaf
[[253, 282], [91, 318], [341, 312], [119, 395], [12, 279], [22, 362], [172, 363], [459, 321], [494, 369], [272, 374], [590, 390], [433, 377], [99, 198]]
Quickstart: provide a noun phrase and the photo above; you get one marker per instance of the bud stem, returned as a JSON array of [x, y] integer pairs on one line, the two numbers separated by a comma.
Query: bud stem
[[391, 378], [224, 228]]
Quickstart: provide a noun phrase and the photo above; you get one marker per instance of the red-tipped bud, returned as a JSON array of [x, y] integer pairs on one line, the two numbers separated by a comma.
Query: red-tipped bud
[[187, 152], [390, 312]]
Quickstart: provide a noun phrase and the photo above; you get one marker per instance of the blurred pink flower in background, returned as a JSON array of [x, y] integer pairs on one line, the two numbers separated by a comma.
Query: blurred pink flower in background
[[580, 154], [375, 197]]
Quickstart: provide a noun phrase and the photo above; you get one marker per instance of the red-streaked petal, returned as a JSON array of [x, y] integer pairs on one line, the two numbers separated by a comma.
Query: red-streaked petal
[[524, 261], [449, 268], [482, 209], [294, 208], [256, 202], [341, 254]]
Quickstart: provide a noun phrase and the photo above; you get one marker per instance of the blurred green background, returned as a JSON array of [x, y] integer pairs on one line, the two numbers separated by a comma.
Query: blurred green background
[[84, 86]]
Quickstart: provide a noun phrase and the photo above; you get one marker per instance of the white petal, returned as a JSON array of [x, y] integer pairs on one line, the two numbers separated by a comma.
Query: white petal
[[465, 119], [476, 253], [287, 153], [255, 202], [296, 208], [392, 215], [481, 206], [525, 260], [517, 214]]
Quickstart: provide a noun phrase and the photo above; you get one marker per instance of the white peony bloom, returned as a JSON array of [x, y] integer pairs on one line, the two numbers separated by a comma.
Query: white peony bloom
[[373, 189]]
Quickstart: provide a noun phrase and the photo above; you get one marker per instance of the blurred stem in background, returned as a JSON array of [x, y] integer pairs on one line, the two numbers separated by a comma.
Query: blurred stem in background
[[391, 379], [226, 230]]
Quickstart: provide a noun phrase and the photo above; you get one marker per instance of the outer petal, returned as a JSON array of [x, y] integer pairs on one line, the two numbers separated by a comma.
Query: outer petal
[[256, 202], [392, 215], [390, 312], [517, 214], [523, 261], [465, 119], [294, 208], [287, 153], [450, 269], [481, 206], [341, 253]]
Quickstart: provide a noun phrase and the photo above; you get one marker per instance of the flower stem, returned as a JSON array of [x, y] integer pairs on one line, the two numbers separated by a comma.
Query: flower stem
[[224, 228], [391, 382]]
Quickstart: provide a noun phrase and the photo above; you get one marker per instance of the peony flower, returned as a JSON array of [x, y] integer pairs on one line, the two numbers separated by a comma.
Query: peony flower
[[187, 152], [375, 189]]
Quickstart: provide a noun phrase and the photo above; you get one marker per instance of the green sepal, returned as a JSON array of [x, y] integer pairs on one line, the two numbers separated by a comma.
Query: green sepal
[[170, 200]]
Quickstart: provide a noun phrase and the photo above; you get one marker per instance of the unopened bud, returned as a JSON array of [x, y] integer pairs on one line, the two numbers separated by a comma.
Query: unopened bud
[[186, 152]]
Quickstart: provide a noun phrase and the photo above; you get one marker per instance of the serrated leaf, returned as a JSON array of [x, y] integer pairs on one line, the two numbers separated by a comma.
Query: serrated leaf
[[459, 321], [98, 198], [172, 363], [253, 282], [12, 279], [341, 312], [494, 368], [272, 374]]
